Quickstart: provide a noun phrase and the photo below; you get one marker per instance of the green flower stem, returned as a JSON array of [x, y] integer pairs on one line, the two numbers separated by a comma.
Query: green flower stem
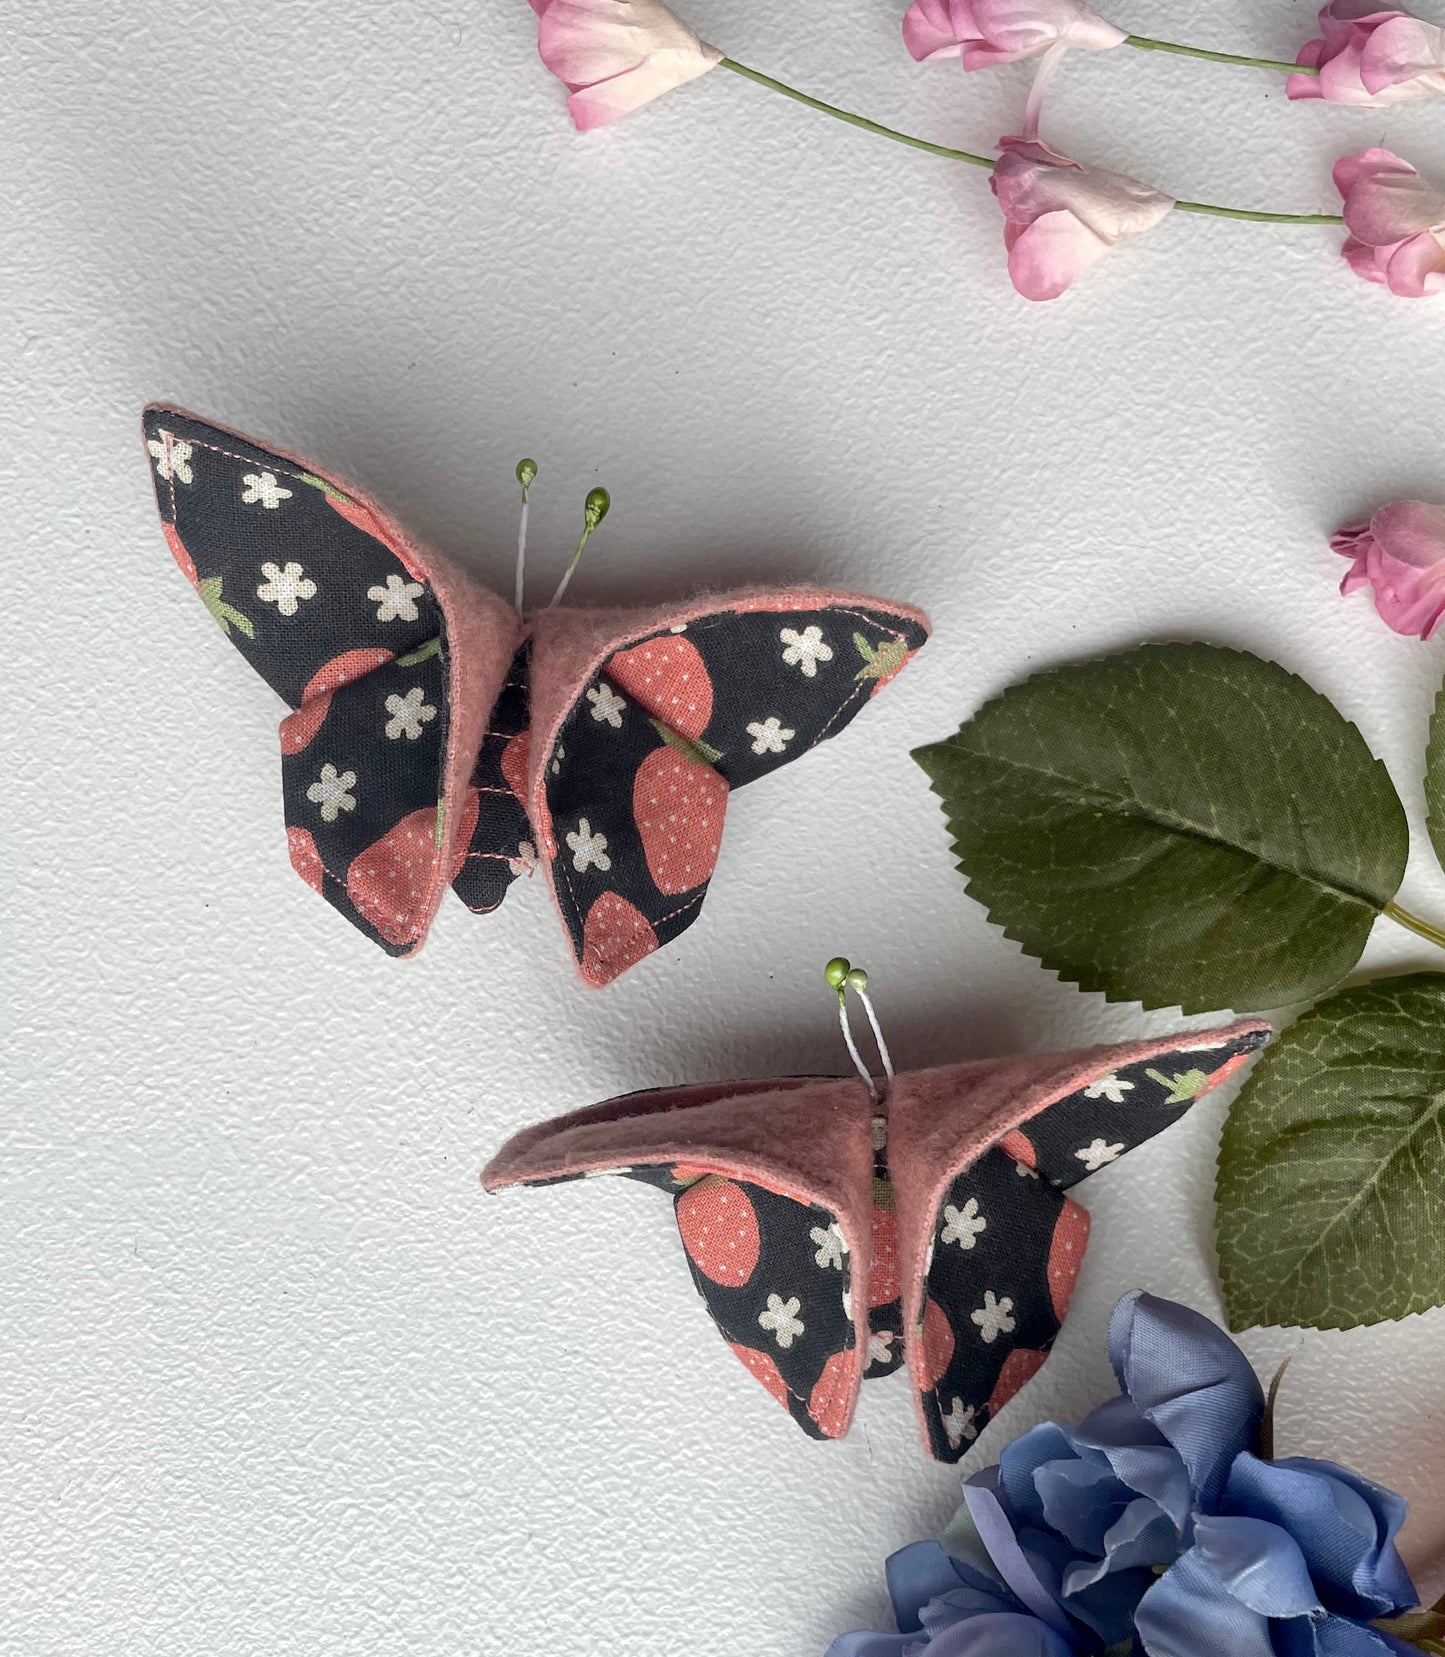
[[1404, 918], [984, 161], [1146, 44], [855, 120]]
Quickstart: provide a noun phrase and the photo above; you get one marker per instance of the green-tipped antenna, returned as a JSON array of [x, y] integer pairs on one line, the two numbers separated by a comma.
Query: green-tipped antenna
[[594, 510], [526, 476], [841, 975]]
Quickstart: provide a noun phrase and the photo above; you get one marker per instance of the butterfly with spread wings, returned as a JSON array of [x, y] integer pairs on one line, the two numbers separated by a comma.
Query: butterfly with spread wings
[[440, 737], [836, 1232]]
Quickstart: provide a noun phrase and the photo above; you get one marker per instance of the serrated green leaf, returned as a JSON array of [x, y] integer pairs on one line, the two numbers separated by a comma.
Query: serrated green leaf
[[1179, 825], [1332, 1169], [1435, 777]]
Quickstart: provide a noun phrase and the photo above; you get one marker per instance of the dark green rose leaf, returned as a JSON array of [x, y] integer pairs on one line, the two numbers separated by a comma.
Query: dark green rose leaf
[[1178, 825], [1332, 1170], [1435, 777]]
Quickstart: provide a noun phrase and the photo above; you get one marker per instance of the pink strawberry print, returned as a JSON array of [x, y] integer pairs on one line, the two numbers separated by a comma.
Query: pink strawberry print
[[763, 1368], [467, 815], [886, 1281], [365, 520], [830, 1402], [1226, 1070], [390, 881], [1066, 1255], [616, 935], [298, 728], [719, 1229], [1019, 1368], [666, 676], [514, 765], [936, 1346], [679, 805], [1020, 1147], [305, 858], [179, 553]]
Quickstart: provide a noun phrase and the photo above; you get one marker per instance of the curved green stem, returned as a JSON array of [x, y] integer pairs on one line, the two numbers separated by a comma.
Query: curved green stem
[[1261, 218], [1146, 44], [855, 120], [1424, 929], [984, 161]]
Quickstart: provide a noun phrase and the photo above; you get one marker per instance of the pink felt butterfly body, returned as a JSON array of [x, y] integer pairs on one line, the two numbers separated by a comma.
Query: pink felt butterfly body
[[438, 737], [835, 1237]]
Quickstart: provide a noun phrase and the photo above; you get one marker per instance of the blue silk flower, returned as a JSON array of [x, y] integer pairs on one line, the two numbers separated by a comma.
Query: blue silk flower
[[1153, 1527]]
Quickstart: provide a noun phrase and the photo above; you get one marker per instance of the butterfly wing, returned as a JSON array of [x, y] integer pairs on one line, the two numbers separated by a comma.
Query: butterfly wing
[[769, 1182], [644, 723], [981, 1157], [388, 657]]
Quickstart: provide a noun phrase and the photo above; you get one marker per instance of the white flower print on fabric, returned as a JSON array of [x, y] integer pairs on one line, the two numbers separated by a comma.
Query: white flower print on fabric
[[994, 1317], [173, 459], [332, 792], [408, 714], [781, 1318], [526, 859], [1023, 1171], [958, 1423], [589, 850], [605, 1173], [285, 586], [831, 1245], [1112, 1088], [880, 1346], [559, 753], [963, 1224], [805, 650], [848, 1304], [607, 705], [265, 488], [396, 601], [879, 1130], [1099, 1155], [770, 736]]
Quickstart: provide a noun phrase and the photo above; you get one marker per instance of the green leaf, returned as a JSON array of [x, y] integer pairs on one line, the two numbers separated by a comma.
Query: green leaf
[[432, 647], [1435, 777], [880, 663], [701, 753], [1179, 824], [222, 613], [1332, 1169]]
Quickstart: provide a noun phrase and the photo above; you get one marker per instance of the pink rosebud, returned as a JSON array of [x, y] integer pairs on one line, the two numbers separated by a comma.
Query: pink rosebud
[[1371, 56], [989, 32], [1396, 221], [1401, 554], [1063, 217], [616, 55]]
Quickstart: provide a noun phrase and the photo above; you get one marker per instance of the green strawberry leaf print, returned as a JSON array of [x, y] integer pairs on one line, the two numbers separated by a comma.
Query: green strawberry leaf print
[[700, 752], [432, 647], [223, 613], [880, 663], [1183, 1087]]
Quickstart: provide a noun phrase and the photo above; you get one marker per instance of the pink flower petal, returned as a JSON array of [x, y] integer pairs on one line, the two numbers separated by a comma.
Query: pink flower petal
[[616, 55], [991, 32], [1406, 55], [1050, 254], [1411, 532], [1416, 267]]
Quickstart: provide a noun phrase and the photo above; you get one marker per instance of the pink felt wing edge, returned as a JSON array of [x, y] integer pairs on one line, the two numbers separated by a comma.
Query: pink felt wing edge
[[569, 647], [941, 1121], [483, 633]]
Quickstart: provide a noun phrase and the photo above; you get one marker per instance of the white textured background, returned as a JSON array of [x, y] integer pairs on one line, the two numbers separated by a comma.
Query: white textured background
[[275, 1377]]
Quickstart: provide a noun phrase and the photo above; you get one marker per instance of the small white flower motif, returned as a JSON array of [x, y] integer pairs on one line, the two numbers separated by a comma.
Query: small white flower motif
[[332, 792], [994, 1317], [928, 1258], [681, 627], [958, 1423], [770, 736], [1099, 1155], [605, 1173], [285, 586], [173, 459], [832, 1245], [1023, 1171], [607, 705], [396, 601], [559, 753], [525, 860], [263, 487], [880, 1346], [848, 1304], [408, 714], [879, 1127], [964, 1224], [805, 650], [1112, 1088], [782, 1319], [589, 850]]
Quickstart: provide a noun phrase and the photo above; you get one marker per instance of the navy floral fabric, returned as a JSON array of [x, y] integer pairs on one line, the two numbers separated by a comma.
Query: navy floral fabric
[[778, 1276]]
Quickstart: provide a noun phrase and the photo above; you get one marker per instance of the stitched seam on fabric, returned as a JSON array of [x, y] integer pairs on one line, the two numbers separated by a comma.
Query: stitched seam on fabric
[[270, 464]]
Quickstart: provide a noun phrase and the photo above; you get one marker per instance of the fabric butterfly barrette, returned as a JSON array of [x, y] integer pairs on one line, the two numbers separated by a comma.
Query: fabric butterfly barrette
[[838, 1228], [442, 736]]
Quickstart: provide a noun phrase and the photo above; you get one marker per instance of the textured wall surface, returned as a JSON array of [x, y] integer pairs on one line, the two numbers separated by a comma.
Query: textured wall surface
[[275, 1376]]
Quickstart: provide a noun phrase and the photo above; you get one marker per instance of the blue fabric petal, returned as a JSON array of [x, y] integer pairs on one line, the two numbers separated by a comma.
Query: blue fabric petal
[[916, 1575], [1141, 1536], [1191, 1381], [1141, 1457], [1345, 1525], [1008, 1556], [1331, 1636], [1259, 1563], [1082, 1500], [1189, 1613], [864, 1644], [1018, 1466], [1006, 1634]]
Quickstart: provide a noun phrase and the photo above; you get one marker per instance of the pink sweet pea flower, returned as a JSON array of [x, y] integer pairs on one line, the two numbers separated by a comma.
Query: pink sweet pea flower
[[1396, 221], [1401, 554], [616, 55], [1063, 217], [1371, 56], [989, 32]]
